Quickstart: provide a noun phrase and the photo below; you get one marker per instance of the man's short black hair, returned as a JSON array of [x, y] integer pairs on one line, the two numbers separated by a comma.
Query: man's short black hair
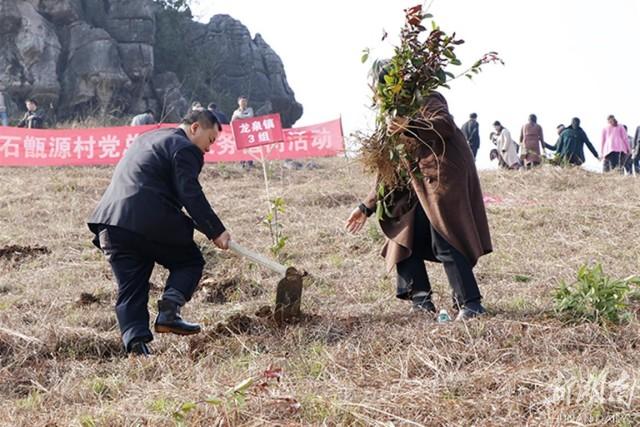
[[206, 119], [148, 112], [497, 123], [33, 101], [473, 116]]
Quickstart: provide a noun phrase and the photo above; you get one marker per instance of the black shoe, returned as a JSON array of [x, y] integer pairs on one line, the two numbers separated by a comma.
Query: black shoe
[[470, 311], [139, 348], [423, 304], [169, 320]]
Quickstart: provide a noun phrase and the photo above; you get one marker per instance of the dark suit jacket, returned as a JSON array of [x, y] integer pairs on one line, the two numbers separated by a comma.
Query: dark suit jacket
[[156, 178], [471, 131]]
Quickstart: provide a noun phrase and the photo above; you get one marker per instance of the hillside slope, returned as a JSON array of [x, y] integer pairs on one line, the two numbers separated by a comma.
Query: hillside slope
[[359, 356]]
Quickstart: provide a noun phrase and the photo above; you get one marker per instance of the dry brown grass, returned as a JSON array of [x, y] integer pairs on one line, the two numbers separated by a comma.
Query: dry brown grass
[[358, 357]]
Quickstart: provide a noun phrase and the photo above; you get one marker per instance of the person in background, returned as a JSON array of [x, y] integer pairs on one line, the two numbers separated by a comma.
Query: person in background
[[146, 118], [531, 142], [4, 116], [471, 131], [196, 106], [570, 145], [243, 112], [506, 147], [222, 117], [34, 117], [614, 146], [631, 158], [635, 152], [559, 129]]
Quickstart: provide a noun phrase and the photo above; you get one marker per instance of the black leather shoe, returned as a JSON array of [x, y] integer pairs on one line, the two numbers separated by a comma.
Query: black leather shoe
[[423, 304], [169, 320], [139, 348], [471, 310]]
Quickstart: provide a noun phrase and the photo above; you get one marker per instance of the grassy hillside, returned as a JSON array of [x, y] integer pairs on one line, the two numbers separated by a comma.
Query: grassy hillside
[[359, 356]]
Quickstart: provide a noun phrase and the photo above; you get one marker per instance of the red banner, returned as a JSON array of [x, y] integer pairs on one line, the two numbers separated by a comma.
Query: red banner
[[105, 146], [256, 131]]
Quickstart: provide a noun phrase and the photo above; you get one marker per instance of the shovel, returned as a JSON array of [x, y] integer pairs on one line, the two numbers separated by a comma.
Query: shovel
[[289, 289]]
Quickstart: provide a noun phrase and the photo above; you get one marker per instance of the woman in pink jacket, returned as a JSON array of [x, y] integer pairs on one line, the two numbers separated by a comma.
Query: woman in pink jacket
[[614, 148]]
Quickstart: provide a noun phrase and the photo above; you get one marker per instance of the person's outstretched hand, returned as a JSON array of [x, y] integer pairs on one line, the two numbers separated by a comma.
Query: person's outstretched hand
[[356, 221]]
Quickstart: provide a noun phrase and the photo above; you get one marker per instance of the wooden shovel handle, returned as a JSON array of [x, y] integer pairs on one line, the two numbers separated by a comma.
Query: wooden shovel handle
[[257, 258]]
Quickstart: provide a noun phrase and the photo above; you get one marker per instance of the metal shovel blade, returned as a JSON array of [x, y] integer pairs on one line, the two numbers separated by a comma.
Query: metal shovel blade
[[288, 296]]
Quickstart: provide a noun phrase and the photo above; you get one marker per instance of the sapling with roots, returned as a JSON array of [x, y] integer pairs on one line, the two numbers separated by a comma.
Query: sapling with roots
[[419, 66]]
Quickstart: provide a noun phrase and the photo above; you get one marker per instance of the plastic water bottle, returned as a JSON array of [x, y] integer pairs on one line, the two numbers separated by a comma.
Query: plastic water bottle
[[443, 316]]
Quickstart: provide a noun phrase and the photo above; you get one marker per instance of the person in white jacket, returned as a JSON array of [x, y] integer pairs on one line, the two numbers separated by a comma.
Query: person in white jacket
[[507, 148]]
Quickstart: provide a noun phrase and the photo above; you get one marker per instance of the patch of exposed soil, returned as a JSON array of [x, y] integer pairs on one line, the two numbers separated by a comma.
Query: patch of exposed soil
[[87, 298], [236, 324], [223, 291], [15, 253]]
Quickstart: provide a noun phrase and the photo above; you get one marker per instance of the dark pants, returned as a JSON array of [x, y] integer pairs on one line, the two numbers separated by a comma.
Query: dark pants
[[632, 164], [474, 149], [412, 274], [614, 160], [132, 258]]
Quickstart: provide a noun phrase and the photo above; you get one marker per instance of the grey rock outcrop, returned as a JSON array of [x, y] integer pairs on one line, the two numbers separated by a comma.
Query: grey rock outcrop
[[90, 57]]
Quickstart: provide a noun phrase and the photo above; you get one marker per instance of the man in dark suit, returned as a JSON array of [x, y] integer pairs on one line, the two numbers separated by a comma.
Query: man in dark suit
[[139, 222], [471, 131]]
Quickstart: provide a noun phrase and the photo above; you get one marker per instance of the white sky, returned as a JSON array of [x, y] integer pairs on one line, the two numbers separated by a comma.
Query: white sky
[[564, 58]]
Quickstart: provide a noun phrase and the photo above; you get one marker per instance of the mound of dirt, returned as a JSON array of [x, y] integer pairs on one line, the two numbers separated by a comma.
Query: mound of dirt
[[87, 298], [224, 290], [16, 253], [236, 324]]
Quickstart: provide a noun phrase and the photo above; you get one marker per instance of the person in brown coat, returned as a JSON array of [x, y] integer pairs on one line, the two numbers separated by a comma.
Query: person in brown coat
[[440, 218]]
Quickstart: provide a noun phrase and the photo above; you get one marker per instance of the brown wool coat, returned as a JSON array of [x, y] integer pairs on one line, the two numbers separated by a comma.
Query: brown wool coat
[[449, 192]]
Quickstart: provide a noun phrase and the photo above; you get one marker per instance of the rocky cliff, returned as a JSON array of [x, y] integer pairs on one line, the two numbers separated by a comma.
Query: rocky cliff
[[114, 58]]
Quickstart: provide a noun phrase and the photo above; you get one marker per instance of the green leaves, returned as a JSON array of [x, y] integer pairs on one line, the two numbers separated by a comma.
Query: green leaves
[[595, 296], [365, 55], [420, 65], [272, 220]]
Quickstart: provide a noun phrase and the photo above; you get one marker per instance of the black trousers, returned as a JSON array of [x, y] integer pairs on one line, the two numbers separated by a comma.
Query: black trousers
[[474, 149], [614, 160], [412, 273], [132, 258], [632, 164]]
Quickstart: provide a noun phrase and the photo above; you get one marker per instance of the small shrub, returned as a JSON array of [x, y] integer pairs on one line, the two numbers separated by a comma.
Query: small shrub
[[595, 296]]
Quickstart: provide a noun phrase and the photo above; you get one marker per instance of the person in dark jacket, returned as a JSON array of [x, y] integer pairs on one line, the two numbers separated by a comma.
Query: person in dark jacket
[[139, 222], [471, 131], [222, 117], [34, 117], [570, 145]]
